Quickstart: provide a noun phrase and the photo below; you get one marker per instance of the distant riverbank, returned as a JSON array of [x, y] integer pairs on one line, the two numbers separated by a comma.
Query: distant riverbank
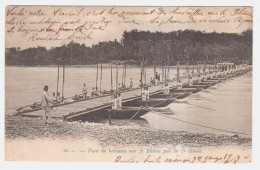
[[104, 65]]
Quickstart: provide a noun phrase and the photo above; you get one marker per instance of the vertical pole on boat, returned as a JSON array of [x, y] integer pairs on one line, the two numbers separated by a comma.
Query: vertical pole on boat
[[164, 71], [193, 68], [145, 72], [209, 68], [109, 116], [215, 65], [63, 83], [58, 77], [188, 70], [141, 80], [101, 70], [178, 71], [198, 68], [168, 74], [97, 77], [125, 75], [162, 75], [111, 79], [116, 76], [141, 76], [123, 67], [165, 75], [109, 111], [154, 71], [204, 67]]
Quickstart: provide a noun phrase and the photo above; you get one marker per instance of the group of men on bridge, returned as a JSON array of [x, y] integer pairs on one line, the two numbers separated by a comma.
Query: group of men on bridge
[[116, 99]]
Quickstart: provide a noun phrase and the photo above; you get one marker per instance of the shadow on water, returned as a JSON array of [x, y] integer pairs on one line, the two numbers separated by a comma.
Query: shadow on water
[[140, 121], [205, 91], [213, 88], [162, 110], [135, 122]]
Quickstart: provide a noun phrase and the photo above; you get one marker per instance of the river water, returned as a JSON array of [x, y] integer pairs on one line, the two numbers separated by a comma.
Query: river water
[[220, 109], [226, 106], [24, 85]]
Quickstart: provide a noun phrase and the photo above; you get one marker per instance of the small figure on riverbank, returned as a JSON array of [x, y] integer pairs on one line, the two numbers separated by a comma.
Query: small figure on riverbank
[[46, 105]]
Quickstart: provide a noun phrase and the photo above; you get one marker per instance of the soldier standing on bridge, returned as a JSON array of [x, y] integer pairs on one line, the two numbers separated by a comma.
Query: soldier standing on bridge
[[166, 89], [85, 92], [46, 105], [119, 101], [114, 102]]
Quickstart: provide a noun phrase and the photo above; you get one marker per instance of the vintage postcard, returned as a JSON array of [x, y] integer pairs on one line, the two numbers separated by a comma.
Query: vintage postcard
[[128, 84]]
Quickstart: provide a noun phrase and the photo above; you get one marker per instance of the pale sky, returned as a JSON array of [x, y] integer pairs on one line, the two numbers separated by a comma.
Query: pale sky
[[105, 23]]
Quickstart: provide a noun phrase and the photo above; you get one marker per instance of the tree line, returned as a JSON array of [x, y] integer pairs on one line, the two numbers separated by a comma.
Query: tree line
[[186, 45]]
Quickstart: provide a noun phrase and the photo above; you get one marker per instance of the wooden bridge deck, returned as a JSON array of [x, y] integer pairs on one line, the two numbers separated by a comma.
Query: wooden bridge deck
[[64, 110]]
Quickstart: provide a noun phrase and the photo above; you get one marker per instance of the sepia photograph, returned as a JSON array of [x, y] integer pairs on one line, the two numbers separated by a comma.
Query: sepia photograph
[[128, 84]]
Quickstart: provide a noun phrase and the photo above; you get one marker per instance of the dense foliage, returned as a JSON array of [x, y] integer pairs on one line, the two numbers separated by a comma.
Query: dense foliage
[[187, 45]]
